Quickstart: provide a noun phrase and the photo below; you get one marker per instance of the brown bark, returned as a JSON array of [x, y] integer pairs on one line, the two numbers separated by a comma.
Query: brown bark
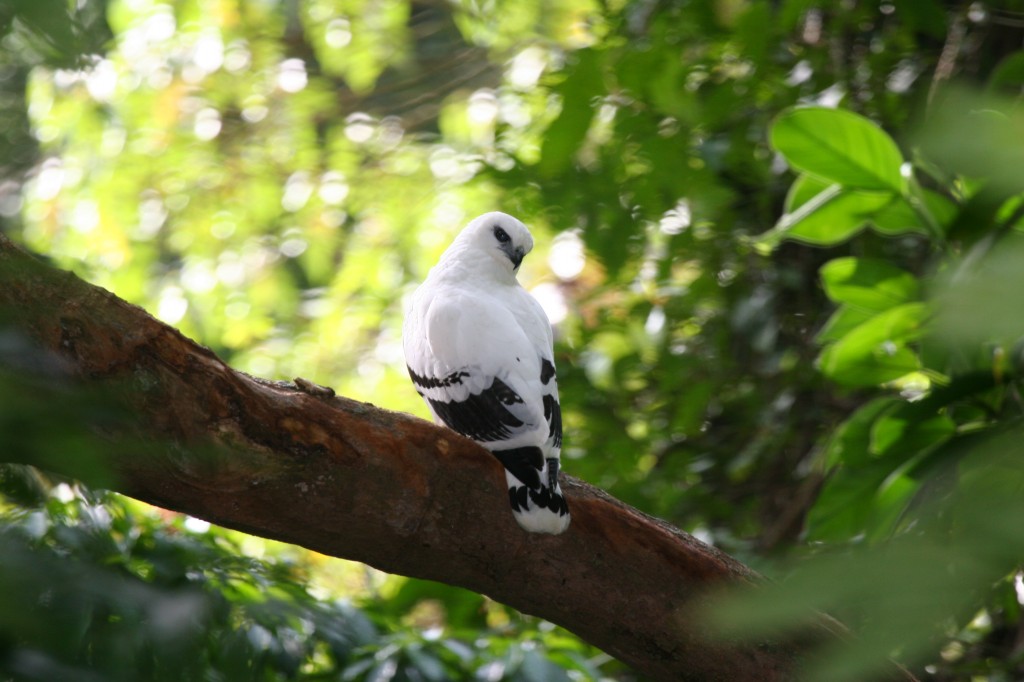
[[352, 480]]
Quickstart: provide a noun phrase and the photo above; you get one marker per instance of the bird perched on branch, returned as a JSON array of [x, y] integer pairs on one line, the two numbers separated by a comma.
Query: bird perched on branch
[[478, 349]]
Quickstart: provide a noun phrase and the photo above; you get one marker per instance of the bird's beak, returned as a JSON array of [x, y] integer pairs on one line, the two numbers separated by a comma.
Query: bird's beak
[[517, 257]]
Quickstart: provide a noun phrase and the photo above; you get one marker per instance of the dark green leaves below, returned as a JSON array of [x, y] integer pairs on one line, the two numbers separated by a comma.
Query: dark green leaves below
[[95, 589]]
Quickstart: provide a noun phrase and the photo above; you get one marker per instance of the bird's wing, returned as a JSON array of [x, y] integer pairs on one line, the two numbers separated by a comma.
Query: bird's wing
[[478, 369]]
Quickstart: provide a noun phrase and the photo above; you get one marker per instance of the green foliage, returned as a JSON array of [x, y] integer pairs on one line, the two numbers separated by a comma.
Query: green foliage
[[921, 483], [868, 338], [356, 40], [273, 178], [853, 178], [98, 587]]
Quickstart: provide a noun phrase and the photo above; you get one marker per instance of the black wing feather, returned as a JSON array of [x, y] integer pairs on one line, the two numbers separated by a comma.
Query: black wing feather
[[553, 416], [481, 416]]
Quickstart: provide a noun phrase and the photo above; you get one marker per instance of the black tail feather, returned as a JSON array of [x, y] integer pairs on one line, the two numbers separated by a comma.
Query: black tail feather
[[524, 463]]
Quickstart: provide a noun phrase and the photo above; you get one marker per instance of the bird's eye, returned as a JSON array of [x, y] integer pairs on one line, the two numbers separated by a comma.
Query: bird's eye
[[501, 235]]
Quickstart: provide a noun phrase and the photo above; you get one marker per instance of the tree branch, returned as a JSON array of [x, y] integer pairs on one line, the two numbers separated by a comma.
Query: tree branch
[[352, 480]]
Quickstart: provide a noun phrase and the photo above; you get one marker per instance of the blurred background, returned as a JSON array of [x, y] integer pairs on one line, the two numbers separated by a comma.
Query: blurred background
[[794, 336]]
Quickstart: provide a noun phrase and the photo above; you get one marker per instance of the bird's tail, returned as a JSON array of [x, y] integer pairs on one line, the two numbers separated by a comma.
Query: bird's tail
[[538, 504]]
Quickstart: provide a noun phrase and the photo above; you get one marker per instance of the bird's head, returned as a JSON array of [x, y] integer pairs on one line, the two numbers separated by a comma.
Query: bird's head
[[500, 237]]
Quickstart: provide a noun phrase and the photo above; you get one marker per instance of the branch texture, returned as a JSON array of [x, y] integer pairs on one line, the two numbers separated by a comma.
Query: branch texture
[[356, 481]]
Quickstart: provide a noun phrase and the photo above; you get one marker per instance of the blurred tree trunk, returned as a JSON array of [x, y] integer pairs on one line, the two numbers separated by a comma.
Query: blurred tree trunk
[[352, 480]]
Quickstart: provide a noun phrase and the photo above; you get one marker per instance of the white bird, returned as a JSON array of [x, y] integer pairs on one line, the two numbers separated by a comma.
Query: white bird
[[478, 349]]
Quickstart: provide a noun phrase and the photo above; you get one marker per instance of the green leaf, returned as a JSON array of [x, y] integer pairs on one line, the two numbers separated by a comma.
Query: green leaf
[[851, 441], [902, 434], [871, 455], [875, 352], [867, 284], [824, 214], [845, 505], [890, 504], [842, 322], [899, 217], [803, 190], [839, 146], [845, 214], [1008, 74]]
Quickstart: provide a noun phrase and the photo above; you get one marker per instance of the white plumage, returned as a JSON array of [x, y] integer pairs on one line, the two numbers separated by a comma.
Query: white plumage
[[478, 349]]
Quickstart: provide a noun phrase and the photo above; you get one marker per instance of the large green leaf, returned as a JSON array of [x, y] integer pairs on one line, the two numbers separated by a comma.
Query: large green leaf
[[823, 214], [1008, 74], [844, 320], [851, 441], [875, 352], [867, 283], [904, 434], [839, 146], [899, 217], [844, 506]]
